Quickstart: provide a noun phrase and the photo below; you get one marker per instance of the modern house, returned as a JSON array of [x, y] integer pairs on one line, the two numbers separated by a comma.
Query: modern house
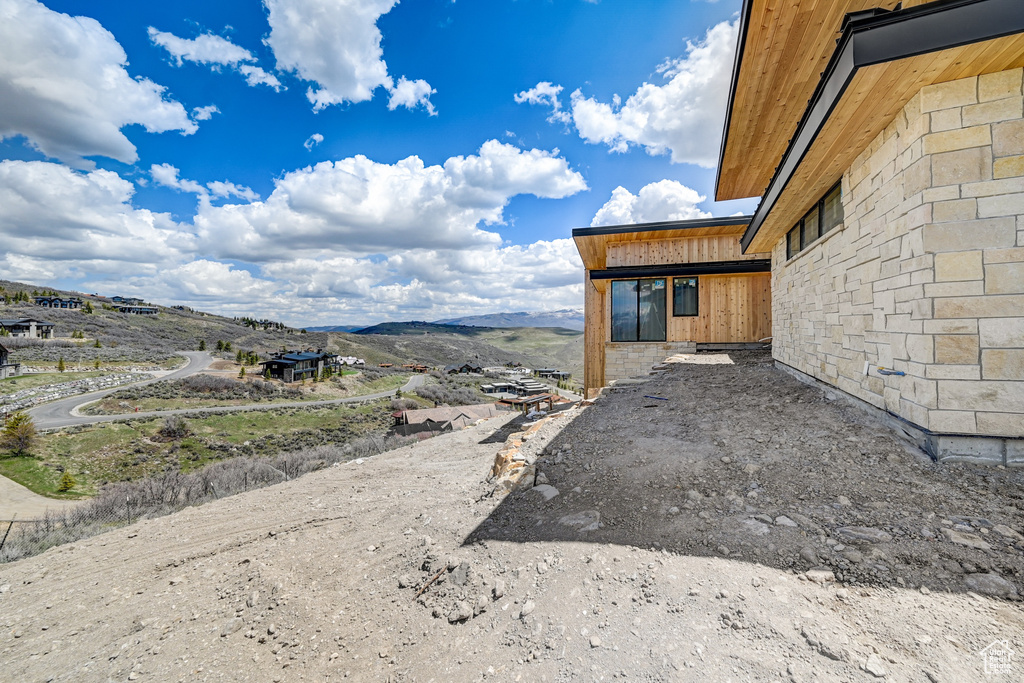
[[8, 369], [444, 419], [127, 300], [465, 368], [133, 309], [886, 142], [655, 289], [58, 302], [295, 366], [27, 327]]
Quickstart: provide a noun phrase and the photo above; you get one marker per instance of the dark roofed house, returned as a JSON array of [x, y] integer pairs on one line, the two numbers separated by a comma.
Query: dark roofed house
[[58, 302], [294, 366], [133, 309], [7, 369], [443, 419], [127, 300], [27, 327], [463, 369]]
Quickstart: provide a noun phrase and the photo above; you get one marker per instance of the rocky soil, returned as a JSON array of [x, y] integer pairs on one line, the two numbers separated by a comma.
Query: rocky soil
[[747, 528]]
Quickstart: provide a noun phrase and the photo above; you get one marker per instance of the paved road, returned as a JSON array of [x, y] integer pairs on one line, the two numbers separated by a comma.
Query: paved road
[[60, 413], [65, 415]]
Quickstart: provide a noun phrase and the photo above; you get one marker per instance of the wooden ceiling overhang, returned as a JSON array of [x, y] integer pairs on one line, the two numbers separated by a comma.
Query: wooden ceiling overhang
[[592, 243], [881, 61]]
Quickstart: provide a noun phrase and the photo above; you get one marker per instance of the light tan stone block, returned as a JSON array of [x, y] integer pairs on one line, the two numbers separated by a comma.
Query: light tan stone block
[[955, 210], [918, 177], [992, 188], [1001, 205], [958, 265], [1008, 167], [990, 112], [970, 165], [963, 138], [998, 85], [1000, 424], [968, 235], [946, 119], [947, 289], [941, 194], [1002, 364], [953, 372], [914, 413], [1008, 138], [949, 94], [1004, 278], [969, 326], [1004, 306], [1002, 332], [952, 421], [956, 349], [921, 348], [986, 395]]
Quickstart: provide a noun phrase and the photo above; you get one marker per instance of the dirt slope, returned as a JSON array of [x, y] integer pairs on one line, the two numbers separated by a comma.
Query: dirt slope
[[316, 579]]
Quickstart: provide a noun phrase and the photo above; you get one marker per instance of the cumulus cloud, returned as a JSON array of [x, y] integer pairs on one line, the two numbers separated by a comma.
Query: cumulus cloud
[[168, 176], [362, 207], [545, 93], [205, 113], [683, 117], [64, 87], [335, 44], [665, 200], [312, 141], [81, 221], [214, 51]]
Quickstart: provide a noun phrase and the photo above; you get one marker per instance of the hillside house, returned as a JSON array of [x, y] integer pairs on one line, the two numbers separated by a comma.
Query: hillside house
[[29, 328], [444, 419], [464, 368], [132, 309], [886, 142], [127, 300], [58, 302], [295, 366], [7, 368], [654, 289]]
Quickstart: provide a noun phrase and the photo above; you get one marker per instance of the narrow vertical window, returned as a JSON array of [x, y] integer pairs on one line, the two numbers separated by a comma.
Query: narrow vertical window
[[624, 310], [810, 227], [832, 209], [684, 296], [651, 321], [793, 242]]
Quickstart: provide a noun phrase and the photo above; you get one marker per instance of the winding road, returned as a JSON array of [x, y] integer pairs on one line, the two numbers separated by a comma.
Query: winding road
[[64, 413]]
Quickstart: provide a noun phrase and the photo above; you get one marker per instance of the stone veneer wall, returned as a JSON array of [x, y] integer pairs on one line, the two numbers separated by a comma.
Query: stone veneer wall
[[926, 275], [635, 359]]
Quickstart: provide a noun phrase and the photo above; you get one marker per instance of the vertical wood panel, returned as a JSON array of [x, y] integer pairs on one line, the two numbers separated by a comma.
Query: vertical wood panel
[[678, 250], [733, 308], [594, 336]]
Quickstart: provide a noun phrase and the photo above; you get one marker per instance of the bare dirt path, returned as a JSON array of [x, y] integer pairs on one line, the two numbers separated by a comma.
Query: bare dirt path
[[317, 579], [18, 501]]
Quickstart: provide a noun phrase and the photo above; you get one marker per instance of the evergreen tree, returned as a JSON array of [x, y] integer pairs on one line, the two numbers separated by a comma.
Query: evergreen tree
[[61, 367], [67, 482], [241, 373], [19, 434], [97, 344], [202, 344]]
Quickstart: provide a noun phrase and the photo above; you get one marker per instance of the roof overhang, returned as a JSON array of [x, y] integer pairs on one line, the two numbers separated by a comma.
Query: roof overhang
[[592, 243], [881, 61]]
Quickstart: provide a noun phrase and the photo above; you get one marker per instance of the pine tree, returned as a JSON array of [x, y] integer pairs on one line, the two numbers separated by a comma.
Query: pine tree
[[202, 344], [241, 373], [96, 364], [19, 434], [61, 366], [97, 344], [67, 482]]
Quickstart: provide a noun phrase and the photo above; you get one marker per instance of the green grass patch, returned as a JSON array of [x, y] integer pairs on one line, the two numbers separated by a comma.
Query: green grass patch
[[13, 384], [33, 475]]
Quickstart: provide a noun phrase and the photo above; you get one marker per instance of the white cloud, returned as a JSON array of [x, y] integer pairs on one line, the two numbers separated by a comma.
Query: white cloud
[[214, 51], [312, 141], [80, 222], [335, 44], [411, 94], [683, 117], [363, 207], [205, 113], [63, 85], [665, 200], [546, 94], [167, 175]]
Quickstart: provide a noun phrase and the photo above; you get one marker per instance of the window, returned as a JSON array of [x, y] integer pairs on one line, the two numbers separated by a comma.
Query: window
[[684, 296], [638, 310], [826, 214]]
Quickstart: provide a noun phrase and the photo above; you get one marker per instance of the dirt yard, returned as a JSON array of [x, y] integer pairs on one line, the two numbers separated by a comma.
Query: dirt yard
[[744, 529]]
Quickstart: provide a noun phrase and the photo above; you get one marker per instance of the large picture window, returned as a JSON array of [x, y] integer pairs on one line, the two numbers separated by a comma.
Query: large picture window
[[684, 296], [638, 310], [826, 214]]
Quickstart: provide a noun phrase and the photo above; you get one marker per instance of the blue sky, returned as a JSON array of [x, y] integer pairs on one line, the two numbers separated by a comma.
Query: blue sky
[[349, 161]]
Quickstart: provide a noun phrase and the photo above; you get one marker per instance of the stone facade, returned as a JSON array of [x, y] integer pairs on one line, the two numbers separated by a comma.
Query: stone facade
[[635, 359], [926, 275]]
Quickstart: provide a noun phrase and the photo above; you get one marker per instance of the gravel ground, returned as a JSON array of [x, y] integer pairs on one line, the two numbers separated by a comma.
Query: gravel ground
[[625, 574]]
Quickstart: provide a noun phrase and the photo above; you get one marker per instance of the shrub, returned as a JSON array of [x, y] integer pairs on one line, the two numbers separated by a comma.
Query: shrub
[[67, 482], [174, 427], [19, 434]]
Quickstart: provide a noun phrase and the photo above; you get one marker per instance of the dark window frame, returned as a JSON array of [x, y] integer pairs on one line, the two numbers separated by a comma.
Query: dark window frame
[[639, 316], [800, 237], [696, 286]]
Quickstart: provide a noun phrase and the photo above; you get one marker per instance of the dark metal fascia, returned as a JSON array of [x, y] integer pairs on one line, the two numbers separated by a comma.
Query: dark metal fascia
[[741, 39], [682, 269], [884, 38], [661, 225]]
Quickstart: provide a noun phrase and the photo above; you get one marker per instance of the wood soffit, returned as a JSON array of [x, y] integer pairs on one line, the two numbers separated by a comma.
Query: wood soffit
[[784, 46], [837, 130]]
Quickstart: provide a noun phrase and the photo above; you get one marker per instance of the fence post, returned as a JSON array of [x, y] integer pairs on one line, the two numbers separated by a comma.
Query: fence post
[[8, 531], [128, 507]]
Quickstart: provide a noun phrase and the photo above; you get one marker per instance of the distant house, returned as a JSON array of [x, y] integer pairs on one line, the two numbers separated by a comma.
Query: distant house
[[435, 420], [58, 302], [351, 360], [294, 366], [127, 300], [463, 369], [132, 309], [7, 369], [27, 327]]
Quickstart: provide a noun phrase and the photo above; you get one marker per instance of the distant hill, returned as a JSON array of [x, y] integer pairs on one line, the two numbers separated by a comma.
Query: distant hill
[[336, 328], [569, 318]]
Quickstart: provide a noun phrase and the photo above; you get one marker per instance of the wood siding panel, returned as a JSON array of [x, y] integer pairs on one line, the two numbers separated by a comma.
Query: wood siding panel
[[595, 332], [678, 250]]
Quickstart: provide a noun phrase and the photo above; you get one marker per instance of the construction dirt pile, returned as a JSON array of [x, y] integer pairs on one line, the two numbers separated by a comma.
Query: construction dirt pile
[[718, 522]]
